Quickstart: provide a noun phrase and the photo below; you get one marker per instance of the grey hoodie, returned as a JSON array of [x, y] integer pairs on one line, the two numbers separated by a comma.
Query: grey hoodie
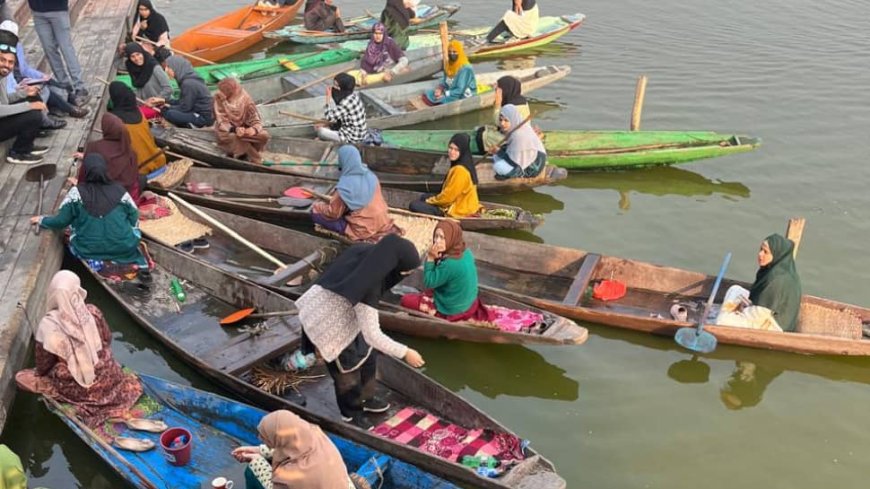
[[195, 96]]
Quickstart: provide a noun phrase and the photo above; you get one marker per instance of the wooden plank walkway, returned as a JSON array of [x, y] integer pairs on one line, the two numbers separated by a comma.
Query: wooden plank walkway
[[27, 261]]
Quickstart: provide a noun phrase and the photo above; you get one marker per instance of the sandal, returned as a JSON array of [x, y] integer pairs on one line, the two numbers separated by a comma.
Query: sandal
[[133, 444], [141, 424], [680, 313]]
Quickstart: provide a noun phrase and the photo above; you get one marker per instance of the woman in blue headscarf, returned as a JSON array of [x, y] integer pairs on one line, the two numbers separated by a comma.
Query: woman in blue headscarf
[[357, 208]]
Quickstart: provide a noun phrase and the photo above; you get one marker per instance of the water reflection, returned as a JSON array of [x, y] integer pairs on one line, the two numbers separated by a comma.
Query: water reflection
[[692, 371], [658, 181], [495, 370], [556, 52], [745, 388]]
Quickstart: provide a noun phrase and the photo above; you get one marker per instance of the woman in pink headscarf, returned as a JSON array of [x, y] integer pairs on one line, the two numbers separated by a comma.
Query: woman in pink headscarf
[[74, 362], [238, 125]]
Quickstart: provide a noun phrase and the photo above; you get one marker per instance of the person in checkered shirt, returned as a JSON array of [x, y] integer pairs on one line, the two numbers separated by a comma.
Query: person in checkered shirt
[[344, 111]]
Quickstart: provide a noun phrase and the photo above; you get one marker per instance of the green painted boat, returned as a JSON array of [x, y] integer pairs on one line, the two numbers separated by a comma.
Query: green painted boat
[[600, 150], [255, 69]]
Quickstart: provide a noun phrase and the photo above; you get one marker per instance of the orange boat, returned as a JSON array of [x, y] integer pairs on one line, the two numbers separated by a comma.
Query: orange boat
[[234, 32]]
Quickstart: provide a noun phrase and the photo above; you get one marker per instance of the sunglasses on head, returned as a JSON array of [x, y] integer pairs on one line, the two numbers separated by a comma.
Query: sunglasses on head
[[6, 48]]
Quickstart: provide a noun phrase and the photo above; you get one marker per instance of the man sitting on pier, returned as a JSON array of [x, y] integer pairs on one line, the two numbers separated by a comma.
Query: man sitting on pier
[[19, 121]]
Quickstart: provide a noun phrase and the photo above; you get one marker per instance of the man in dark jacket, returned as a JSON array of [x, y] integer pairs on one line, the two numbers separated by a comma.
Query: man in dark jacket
[[51, 21], [194, 107]]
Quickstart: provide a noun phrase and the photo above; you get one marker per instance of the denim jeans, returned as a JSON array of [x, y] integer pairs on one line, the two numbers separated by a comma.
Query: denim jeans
[[53, 29], [185, 119]]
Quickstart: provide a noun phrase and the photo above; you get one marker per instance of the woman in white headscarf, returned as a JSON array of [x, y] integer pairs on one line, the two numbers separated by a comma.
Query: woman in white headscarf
[[523, 154]]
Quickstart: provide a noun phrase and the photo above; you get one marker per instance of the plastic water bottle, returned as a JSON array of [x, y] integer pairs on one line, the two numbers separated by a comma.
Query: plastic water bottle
[[302, 362], [487, 472], [479, 462], [95, 265], [177, 290]]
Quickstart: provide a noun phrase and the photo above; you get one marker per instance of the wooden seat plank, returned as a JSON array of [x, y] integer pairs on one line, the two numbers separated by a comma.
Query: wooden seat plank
[[581, 280], [224, 32], [245, 351], [380, 104]]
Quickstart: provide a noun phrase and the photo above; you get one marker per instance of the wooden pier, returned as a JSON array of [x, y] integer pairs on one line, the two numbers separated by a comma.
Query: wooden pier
[[28, 261]]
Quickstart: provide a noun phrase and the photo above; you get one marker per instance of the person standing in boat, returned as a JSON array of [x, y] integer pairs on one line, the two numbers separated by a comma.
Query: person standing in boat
[[151, 25], [520, 21], [102, 216], [458, 81], [344, 111], [397, 16], [238, 126], [150, 82], [774, 300], [148, 156], [339, 318], [322, 15], [382, 55], [74, 362], [357, 208], [522, 155], [295, 454], [458, 196], [194, 107]]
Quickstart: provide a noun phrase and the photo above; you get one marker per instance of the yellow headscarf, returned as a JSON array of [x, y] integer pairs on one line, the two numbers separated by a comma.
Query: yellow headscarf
[[453, 67]]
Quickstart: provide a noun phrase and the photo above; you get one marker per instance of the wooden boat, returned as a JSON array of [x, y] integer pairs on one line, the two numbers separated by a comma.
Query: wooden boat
[[319, 159], [229, 355], [258, 193], [361, 27], [306, 255], [401, 105], [601, 150], [255, 69], [218, 425], [234, 32], [549, 29], [556, 279]]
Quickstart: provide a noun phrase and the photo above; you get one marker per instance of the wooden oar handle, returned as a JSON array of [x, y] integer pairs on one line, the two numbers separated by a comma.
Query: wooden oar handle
[[186, 55], [513, 129], [303, 117]]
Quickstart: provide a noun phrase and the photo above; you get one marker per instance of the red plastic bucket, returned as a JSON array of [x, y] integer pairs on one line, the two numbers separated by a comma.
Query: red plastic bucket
[[178, 455]]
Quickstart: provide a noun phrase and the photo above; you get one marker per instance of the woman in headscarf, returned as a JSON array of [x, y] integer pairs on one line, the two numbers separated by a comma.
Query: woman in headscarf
[[148, 156], [458, 81], [74, 362], [382, 55], [450, 279], [102, 216], [150, 82], [339, 318], [508, 91], [238, 126], [458, 196], [345, 111], [520, 22], [357, 209], [774, 300], [151, 24], [193, 108], [397, 16], [115, 147], [295, 454], [322, 15], [522, 155]]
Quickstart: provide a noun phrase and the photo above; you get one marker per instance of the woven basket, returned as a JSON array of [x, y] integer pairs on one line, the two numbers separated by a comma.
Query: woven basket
[[417, 229], [842, 323], [173, 229], [175, 173]]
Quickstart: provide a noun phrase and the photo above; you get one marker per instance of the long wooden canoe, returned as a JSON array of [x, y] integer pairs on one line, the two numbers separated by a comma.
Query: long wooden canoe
[[601, 150], [319, 159], [218, 425], [258, 193], [361, 27], [401, 105], [306, 255], [549, 29], [556, 279], [234, 32], [228, 355]]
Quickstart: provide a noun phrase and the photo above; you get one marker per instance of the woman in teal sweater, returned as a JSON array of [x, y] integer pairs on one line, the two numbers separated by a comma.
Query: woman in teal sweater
[[450, 278], [102, 217]]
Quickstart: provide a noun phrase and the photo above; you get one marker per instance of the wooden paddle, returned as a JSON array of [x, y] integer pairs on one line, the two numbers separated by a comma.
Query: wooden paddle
[[696, 339], [247, 313], [304, 117], [308, 191], [303, 87], [442, 30], [186, 55], [105, 446], [509, 133]]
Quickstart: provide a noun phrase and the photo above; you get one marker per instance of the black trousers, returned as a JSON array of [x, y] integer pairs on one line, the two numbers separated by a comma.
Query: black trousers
[[23, 127], [422, 207], [352, 388]]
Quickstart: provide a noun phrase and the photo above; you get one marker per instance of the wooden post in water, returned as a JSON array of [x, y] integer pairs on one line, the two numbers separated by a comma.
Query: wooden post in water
[[795, 232], [442, 29], [639, 94]]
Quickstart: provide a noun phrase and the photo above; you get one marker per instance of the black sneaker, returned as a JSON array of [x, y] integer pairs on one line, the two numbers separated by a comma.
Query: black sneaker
[[57, 113], [23, 158], [80, 98], [39, 150], [186, 247], [200, 243], [53, 124], [79, 112], [43, 133], [375, 405], [360, 422]]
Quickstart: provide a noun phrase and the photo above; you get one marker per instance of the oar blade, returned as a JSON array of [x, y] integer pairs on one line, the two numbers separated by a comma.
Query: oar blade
[[695, 340], [237, 316]]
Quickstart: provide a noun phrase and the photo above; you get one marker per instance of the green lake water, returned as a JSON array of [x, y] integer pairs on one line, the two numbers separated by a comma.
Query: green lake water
[[627, 410]]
